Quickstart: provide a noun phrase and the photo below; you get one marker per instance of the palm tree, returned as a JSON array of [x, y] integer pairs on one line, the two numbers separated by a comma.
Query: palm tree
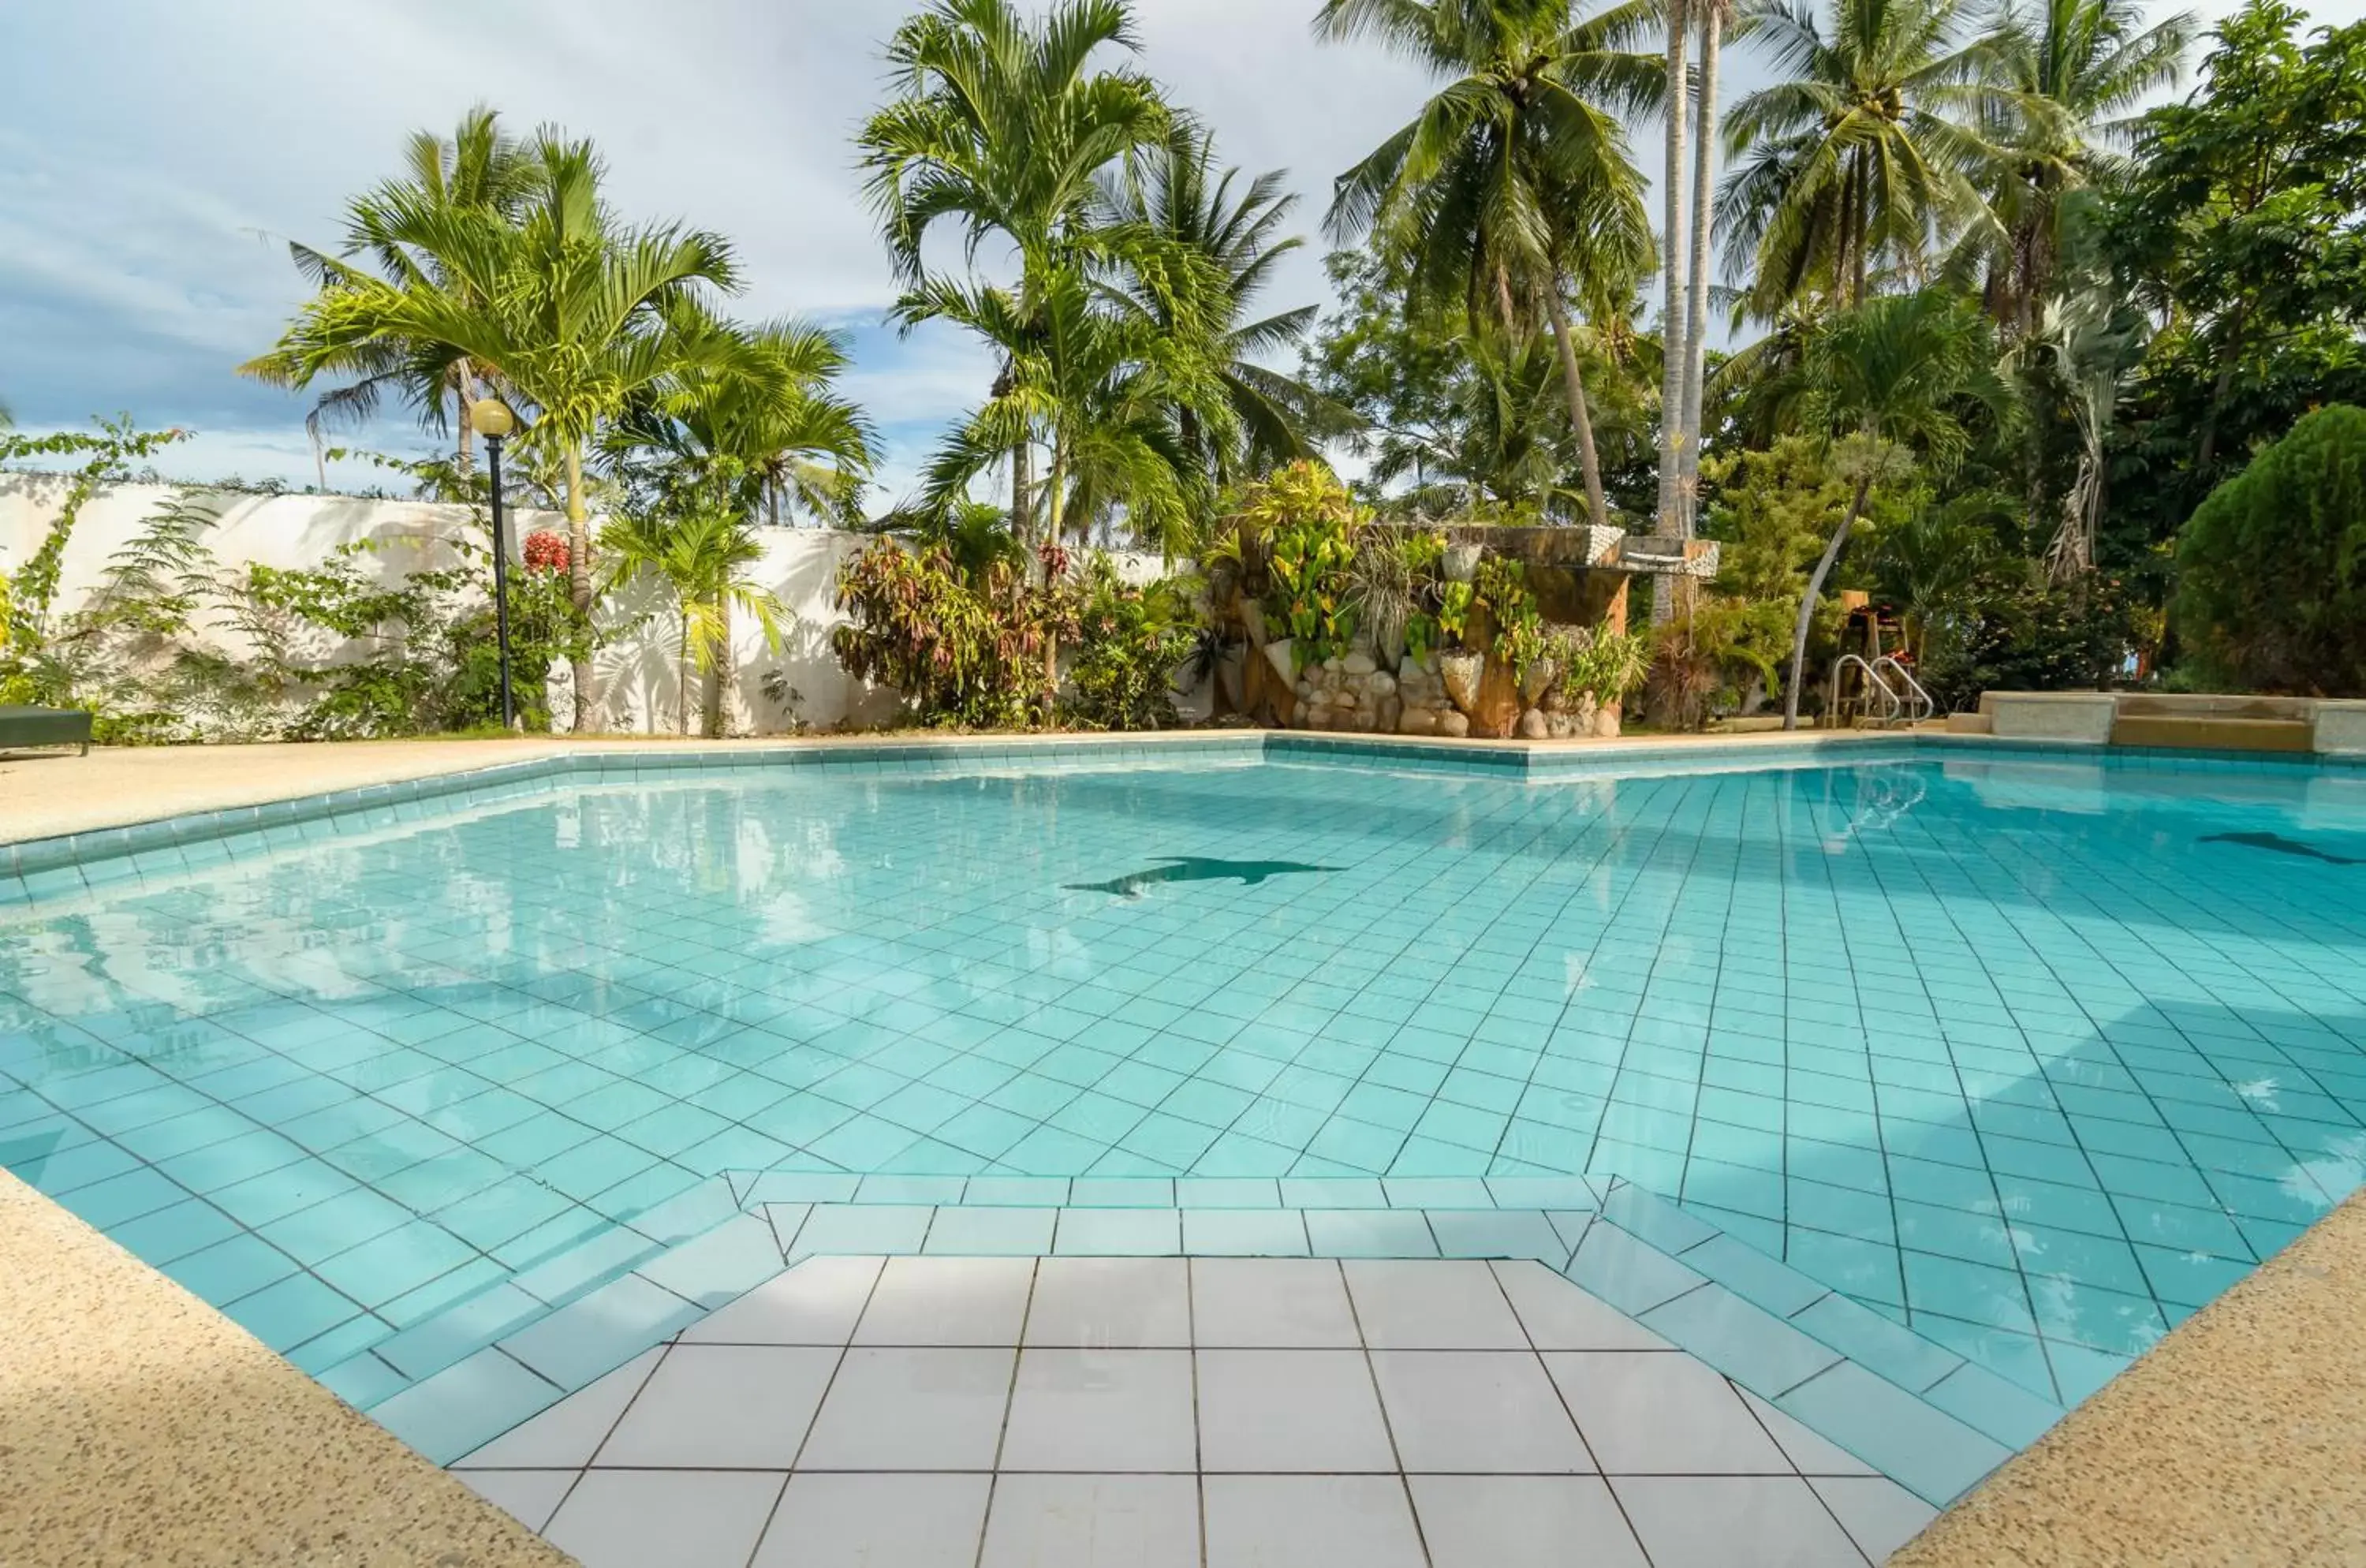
[[1864, 157], [697, 544], [1713, 15], [1892, 382], [480, 170], [568, 312], [1175, 194], [1674, 296], [1112, 390], [1003, 128], [789, 434], [1512, 189], [2070, 72]]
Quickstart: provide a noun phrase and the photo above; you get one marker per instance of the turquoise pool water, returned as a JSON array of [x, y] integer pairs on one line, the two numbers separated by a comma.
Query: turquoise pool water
[[2033, 1056]]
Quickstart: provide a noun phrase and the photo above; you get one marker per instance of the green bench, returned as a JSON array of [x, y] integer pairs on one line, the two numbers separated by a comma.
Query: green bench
[[21, 727]]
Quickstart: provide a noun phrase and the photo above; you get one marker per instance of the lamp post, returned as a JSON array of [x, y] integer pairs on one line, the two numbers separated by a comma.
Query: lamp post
[[492, 418]]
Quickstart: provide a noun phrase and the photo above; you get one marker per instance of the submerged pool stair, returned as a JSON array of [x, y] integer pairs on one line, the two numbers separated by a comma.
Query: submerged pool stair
[[1921, 1414]]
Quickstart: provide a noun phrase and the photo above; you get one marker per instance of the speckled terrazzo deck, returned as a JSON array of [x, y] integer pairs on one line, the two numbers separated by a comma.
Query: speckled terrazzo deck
[[139, 1429]]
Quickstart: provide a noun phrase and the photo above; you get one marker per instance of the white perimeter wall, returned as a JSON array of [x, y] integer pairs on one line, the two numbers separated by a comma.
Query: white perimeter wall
[[637, 681]]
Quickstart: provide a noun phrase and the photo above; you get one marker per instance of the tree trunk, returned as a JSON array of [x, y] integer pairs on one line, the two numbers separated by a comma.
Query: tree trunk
[[1807, 604], [772, 501], [1672, 335], [681, 673], [578, 582], [1697, 309], [1022, 485], [1596, 508], [718, 663]]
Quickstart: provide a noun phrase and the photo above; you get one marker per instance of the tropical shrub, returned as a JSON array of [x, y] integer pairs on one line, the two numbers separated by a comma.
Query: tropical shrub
[[979, 653], [2271, 567], [1129, 641]]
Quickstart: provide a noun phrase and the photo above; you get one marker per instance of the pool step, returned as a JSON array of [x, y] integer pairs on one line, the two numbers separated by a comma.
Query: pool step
[[1920, 1413], [517, 1307]]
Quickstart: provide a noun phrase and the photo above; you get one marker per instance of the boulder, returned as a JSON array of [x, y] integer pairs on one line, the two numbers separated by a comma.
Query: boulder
[[1561, 726], [1453, 724], [1606, 723], [1461, 673], [1417, 721], [1358, 664], [1544, 675], [1381, 683], [1389, 715], [1534, 726]]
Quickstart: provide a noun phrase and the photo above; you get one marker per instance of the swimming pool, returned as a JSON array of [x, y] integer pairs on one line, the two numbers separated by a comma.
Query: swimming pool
[[2033, 1054]]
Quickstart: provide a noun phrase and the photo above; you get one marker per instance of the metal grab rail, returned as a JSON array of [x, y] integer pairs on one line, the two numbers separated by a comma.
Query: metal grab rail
[[1893, 707], [1918, 703]]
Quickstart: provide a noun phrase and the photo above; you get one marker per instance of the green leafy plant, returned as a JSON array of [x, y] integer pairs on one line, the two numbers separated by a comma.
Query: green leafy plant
[[2271, 569], [1455, 600], [1130, 642], [1311, 530], [1502, 586]]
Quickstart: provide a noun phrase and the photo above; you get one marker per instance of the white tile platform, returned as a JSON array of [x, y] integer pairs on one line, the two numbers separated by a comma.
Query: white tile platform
[[1158, 1413]]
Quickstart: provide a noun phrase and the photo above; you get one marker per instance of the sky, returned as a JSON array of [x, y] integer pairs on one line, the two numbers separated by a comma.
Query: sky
[[156, 156]]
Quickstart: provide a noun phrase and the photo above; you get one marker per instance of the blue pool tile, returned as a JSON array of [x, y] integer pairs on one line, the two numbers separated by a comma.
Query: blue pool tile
[[466, 1406], [1929, 1452], [460, 1330], [981, 1232], [1332, 1192], [720, 1265], [1244, 1233], [284, 1314], [863, 1229], [1120, 1192], [1747, 1343], [1629, 1274], [362, 1380], [1491, 1233], [1020, 1191], [231, 1268], [1993, 1405], [1118, 1233], [1369, 1233], [596, 1333]]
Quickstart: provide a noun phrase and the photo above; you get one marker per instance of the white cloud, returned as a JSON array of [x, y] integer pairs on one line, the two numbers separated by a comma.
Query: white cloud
[[148, 146]]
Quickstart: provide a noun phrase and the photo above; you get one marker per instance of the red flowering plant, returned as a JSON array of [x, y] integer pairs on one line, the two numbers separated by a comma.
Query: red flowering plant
[[546, 551]]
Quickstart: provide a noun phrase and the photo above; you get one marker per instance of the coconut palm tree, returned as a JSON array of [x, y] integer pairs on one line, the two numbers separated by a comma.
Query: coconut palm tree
[[478, 170], [1001, 128], [2070, 72], [1512, 189], [570, 312], [1177, 194], [1713, 16], [1674, 295], [1865, 156], [1891, 383]]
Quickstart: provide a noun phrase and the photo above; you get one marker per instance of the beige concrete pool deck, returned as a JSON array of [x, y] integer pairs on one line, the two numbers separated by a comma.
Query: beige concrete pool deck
[[44, 794], [139, 1426]]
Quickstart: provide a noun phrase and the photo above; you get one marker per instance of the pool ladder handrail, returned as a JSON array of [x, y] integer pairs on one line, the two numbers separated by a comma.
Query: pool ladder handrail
[[1891, 706], [1917, 703]]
